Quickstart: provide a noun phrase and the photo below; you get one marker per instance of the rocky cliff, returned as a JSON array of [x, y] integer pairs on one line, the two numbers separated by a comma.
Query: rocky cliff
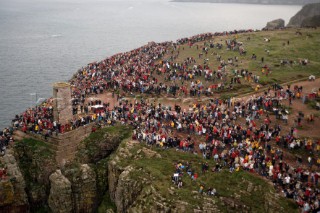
[[134, 178], [140, 181], [313, 21], [73, 191], [13, 197], [33, 182], [307, 12], [60, 199], [83, 183]]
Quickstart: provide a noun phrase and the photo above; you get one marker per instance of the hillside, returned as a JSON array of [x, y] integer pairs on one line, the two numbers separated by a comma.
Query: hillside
[[305, 15]]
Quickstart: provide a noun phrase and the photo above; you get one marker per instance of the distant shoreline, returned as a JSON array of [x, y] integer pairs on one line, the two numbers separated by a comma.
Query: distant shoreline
[[261, 2]]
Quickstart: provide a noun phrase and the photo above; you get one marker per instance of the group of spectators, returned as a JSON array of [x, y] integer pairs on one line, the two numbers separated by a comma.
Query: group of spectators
[[129, 72], [229, 143], [237, 133]]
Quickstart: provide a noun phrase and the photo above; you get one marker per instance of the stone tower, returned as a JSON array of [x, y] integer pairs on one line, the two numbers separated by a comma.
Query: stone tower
[[62, 110]]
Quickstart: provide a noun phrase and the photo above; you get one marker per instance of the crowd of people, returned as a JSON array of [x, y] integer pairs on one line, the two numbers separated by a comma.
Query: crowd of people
[[238, 134], [130, 72], [234, 145]]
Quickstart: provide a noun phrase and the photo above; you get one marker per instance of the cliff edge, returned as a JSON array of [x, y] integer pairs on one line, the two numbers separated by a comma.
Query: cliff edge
[[141, 179]]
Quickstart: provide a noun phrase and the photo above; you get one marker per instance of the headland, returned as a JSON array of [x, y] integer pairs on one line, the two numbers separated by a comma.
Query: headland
[[210, 123]]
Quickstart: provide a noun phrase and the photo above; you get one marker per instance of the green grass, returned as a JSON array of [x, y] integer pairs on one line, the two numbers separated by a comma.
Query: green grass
[[36, 146], [101, 143], [300, 47], [106, 204], [36, 161], [227, 184]]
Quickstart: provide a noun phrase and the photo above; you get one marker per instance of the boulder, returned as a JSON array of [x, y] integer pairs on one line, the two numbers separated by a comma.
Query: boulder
[[275, 24]]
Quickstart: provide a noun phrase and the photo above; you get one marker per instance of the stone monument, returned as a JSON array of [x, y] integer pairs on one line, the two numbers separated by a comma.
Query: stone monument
[[62, 107]]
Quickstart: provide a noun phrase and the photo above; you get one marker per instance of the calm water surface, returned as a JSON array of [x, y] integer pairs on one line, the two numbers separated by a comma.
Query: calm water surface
[[45, 41]]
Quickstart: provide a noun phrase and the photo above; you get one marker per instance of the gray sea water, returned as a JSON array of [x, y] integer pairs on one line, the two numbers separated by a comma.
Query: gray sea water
[[45, 41]]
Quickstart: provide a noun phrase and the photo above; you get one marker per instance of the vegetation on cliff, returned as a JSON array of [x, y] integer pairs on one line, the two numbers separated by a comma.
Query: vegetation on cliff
[[147, 173], [36, 161], [101, 143], [86, 175]]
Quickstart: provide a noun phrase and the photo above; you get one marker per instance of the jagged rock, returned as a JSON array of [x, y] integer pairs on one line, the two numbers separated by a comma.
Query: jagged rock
[[114, 172], [275, 24], [250, 187], [150, 154], [129, 187], [84, 188], [12, 190], [270, 204], [60, 199]]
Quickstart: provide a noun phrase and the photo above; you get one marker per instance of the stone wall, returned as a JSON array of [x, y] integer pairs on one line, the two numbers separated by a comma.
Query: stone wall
[[64, 145], [67, 144]]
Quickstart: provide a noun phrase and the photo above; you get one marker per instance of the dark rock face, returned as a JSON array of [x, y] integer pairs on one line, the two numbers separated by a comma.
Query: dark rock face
[[275, 24], [308, 11], [313, 21]]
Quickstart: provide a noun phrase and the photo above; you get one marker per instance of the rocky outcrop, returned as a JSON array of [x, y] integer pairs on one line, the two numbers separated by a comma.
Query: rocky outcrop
[[60, 199], [84, 190], [37, 163], [133, 189], [275, 24], [121, 182], [13, 197], [74, 191], [308, 11]]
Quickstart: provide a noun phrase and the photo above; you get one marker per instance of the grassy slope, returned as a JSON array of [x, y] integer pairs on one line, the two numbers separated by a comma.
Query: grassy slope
[[300, 47], [227, 185]]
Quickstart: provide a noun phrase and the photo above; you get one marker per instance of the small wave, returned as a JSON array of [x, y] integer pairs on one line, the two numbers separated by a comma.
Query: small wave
[[56, 35]]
